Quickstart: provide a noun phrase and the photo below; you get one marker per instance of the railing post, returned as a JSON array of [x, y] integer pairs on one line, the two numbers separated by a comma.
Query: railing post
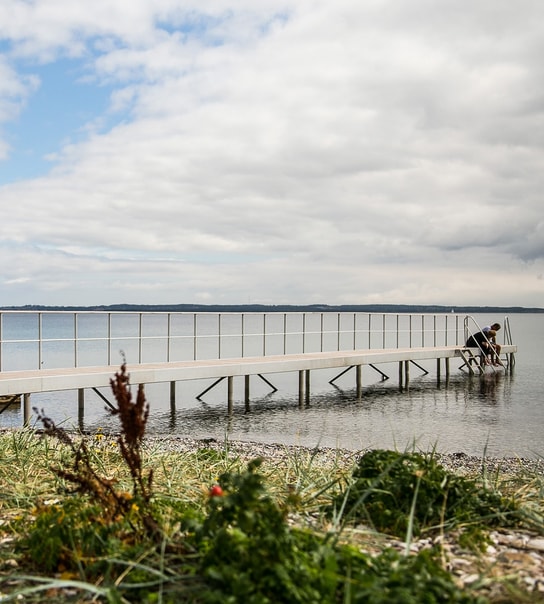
[[109, 340], [284, 333], [140, 334], [243, 335], [303, 332], [168, 336], [75, 340], [219, 335], [457, 330], [194, 336], [264, 334], [40, 351], [321, 322]]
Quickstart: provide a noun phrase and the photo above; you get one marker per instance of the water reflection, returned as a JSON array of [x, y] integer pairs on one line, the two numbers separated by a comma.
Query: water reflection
[[469, 414], [486, 387]]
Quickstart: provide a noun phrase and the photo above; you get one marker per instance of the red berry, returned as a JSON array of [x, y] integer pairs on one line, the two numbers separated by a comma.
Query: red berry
[[216, 491]]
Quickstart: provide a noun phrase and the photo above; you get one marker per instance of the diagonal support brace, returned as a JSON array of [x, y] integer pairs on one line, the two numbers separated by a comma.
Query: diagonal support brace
[[103, 398], [210, 387]]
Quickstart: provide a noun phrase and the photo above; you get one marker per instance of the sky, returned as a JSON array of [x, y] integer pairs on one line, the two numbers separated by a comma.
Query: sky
[[272, 152]]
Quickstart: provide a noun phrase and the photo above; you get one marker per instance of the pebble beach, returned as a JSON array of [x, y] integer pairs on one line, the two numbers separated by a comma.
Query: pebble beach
[[457, 462]]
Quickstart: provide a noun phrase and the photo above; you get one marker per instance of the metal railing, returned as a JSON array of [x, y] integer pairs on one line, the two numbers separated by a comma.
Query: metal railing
[[471, 326], [53, 339]]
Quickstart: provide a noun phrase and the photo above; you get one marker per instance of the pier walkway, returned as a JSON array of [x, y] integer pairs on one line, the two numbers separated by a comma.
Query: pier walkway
[[22, 383], [79, 378]]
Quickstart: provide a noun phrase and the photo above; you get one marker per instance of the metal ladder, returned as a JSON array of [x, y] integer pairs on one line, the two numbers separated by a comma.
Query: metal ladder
[[469, 355]]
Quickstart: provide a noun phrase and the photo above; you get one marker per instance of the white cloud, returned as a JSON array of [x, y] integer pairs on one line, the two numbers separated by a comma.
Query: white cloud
[[303, 152], [14, 90]]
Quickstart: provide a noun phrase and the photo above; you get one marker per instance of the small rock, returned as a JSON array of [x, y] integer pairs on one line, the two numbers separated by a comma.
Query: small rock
[[536, 543]]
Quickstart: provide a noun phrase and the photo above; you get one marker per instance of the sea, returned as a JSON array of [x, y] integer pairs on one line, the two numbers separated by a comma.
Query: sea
[[498, 414]]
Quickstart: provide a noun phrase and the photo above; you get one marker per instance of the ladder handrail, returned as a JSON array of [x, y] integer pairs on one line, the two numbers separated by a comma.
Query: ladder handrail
[[507, 331], [507, 334]]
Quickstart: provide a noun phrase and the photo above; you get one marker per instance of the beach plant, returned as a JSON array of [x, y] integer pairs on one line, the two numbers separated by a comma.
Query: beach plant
[[100, 510], [404, 494], [392, 577], [249, 552]]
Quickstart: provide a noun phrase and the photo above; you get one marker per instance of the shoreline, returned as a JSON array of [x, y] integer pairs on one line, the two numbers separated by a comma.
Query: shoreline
[[458, 462]]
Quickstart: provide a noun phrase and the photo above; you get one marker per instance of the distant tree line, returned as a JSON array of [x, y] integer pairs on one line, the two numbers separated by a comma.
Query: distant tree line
[[259, 308]]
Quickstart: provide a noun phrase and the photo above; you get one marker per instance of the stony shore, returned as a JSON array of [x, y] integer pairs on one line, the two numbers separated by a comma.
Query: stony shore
[[456, 462]]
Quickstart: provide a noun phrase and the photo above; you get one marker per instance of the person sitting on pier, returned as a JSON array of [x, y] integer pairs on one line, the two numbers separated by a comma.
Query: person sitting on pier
[[493, 340], [482, 340], [494, 327]]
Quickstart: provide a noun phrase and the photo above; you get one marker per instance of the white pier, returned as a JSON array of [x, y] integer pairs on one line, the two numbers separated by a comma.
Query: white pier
[[48, 351], [25, 383]]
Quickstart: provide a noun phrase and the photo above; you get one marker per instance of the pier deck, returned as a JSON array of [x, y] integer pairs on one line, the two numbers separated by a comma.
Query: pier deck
[[48, 380]]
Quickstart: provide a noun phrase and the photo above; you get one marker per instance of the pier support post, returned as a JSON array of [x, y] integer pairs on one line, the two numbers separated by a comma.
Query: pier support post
[[230, 389], [301, 387], [447, 361], [307, 397], [246, 391], [511, 362], [80, 407], [438, 368], [26, 409], [359, 380], [401, 374], [406, 373], [172, 396]]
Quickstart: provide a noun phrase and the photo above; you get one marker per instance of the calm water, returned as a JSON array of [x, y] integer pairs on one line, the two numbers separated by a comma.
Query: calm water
[[501, 415]]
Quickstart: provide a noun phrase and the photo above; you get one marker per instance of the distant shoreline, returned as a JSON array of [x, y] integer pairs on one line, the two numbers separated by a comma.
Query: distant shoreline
[[270, 308]]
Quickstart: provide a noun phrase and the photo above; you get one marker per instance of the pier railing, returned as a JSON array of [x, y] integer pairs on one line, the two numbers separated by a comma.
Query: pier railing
[[54, 339]]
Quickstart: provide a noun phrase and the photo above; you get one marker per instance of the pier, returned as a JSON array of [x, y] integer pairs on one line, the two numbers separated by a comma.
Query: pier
[[269, 344]]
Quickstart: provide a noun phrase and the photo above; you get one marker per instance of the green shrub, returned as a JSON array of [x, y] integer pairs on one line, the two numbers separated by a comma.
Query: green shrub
[[71, 535], [398, 493], [249, 553], [391, 577]]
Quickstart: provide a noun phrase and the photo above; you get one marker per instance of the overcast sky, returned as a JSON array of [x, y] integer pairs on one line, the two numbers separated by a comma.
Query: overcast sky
[[272, 151]]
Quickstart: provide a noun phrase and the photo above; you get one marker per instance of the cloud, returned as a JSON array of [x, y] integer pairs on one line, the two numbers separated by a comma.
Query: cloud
[[14, 91], [296, 151]]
